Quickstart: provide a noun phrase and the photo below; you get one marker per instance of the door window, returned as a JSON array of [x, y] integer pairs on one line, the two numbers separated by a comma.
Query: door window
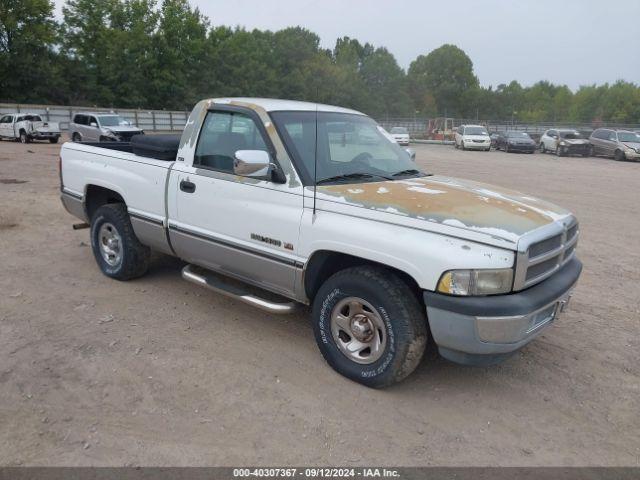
[[222, 135], [6, 119]]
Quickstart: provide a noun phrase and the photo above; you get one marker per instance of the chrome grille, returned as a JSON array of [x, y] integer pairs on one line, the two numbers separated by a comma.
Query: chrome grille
[[544, 252]]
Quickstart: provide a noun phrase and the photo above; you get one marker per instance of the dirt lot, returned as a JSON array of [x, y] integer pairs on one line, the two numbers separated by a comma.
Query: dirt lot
[[160, 372]]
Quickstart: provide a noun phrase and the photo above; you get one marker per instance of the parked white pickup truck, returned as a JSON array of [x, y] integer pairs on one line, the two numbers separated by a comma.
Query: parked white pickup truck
[[26, 127], [280, 203]]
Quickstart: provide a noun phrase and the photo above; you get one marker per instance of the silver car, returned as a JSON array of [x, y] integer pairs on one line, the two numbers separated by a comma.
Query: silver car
[[101, 127], [619, 144]]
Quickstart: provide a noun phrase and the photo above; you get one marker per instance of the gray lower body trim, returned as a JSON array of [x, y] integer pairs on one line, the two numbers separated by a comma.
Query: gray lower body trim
[[151, 233], [270, 272], [73, 204]]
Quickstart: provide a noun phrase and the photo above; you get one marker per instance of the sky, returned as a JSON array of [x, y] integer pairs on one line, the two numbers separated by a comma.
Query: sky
[[572, 42]]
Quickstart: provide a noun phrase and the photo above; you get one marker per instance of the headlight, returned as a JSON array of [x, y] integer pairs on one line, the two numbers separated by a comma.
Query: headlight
[[563, 143], [476, 282]]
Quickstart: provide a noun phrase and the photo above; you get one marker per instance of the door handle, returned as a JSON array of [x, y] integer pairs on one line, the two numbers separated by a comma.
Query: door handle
[[187, 186]]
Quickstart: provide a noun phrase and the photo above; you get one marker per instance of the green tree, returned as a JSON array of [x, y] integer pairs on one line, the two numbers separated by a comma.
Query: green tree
[[445, 73], [181, 70], [29, 69]]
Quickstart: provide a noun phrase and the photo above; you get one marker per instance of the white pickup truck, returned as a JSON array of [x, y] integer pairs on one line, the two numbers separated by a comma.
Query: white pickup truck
[[281, 203], [26, 127]]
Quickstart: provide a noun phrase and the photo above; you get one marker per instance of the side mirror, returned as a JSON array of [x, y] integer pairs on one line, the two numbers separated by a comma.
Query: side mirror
[[93, 124], [251, 163], [412, 154]]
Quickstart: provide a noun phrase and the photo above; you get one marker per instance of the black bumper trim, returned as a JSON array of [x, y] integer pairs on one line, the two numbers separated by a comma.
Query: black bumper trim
[[521, 303]]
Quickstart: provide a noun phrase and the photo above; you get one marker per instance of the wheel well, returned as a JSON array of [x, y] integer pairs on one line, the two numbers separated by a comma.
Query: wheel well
[[96, 196], [323, 264]]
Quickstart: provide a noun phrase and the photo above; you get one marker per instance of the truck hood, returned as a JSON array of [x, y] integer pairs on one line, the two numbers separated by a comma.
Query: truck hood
[[464, 204], [123, 129]]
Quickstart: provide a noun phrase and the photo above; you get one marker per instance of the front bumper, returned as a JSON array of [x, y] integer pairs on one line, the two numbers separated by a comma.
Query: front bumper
[[635, 156], [521, 148], [476, 145], [577, 149], [486, 330]]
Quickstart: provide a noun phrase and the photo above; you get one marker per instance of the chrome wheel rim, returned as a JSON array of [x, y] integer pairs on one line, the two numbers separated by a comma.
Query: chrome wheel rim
[[358, 330], [110, 244]]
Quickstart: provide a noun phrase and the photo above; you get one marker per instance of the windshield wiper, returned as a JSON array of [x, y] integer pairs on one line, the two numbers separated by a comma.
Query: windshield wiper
[[411, 171], [348, 176]]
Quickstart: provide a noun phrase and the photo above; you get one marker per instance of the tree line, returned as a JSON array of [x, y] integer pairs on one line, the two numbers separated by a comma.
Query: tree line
[[167, 55]]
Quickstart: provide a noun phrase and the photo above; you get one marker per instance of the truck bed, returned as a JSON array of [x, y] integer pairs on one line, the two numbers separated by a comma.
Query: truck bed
[[140, 181], [160, 147]]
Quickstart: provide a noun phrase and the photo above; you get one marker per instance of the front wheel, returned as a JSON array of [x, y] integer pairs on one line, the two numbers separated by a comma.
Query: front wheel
[[117, 250], [369, 326], [24, 138], [619, 156], [53, 140], [559, 152], [75, 137]]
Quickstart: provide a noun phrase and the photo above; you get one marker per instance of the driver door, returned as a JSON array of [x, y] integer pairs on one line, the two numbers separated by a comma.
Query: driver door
[[243, 227]]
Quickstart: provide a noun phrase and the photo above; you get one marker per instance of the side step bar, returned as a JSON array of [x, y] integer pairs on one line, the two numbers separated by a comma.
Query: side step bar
[[218, 285]]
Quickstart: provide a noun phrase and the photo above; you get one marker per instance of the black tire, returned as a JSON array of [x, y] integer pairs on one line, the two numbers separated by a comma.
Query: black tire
[[24, 138], [53, 140], [559, 152], [76, 137], [403, 316], [134, 259], [462, 145], [619, 156], [506, 148]]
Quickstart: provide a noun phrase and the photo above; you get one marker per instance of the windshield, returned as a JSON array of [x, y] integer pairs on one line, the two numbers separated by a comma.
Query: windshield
[[571, 135], [111, 120], [628, 137], [399, 130], [475, 131], [518, 135], [348, 145]]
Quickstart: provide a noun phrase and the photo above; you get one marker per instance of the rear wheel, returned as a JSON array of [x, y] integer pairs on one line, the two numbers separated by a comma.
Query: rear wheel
[[369, 325], [619, 156], [117, 250], [53, 140]]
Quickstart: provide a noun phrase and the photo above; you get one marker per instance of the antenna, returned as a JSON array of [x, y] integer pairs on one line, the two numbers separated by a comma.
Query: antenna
[[315, 160]]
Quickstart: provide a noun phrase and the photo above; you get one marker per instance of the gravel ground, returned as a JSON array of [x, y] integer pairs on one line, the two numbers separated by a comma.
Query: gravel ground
[[160, 372]]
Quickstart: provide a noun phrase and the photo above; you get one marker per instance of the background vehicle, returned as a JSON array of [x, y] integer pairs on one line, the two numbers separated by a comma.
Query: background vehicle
[[347, 224], [494, 138], [26, 127], [473, 137], [101, 127], [618, 144], [515, 142], [400, 135], [564, 142]]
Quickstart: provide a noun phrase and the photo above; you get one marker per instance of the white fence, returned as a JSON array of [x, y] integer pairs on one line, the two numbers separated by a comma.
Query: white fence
[[148, 120]]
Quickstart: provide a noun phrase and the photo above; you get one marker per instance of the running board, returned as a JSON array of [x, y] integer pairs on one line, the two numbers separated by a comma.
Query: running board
[[219, 286]]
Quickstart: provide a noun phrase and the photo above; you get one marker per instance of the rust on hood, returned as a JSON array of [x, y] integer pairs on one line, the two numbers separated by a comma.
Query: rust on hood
[[458, 203]]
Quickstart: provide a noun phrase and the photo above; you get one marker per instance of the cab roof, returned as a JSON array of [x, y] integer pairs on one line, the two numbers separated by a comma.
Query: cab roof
[[277, 105]]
